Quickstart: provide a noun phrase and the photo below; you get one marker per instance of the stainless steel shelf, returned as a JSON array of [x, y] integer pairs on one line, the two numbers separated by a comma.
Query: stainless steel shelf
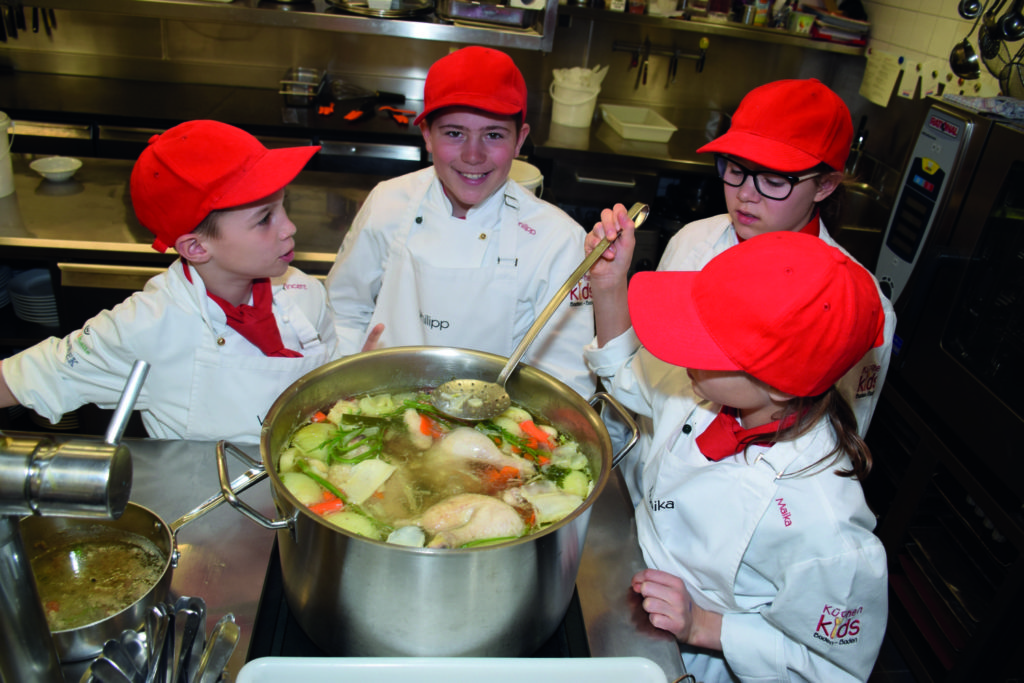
[[320, 15], [730, 30]]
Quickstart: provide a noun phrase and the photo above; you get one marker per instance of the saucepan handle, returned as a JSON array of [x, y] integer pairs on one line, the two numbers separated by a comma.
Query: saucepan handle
[[228, 490], [627, 419]]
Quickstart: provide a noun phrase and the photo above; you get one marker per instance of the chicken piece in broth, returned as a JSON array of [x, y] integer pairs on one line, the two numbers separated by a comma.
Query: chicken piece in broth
[[464, 443], [470, 517]]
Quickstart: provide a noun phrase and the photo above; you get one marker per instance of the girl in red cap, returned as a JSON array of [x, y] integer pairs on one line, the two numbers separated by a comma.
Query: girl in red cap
[[458, 254], [226, 328], [781, 164], [749, 509]]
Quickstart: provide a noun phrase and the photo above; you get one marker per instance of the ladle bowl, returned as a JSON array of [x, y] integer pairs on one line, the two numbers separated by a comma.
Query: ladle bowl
[[969, 9], [475, 399], [963, 60]]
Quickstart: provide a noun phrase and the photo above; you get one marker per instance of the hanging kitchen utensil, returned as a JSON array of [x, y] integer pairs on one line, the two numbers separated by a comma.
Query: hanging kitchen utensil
[[1011, 24], [963, 60], [969, 9], [475, 399]]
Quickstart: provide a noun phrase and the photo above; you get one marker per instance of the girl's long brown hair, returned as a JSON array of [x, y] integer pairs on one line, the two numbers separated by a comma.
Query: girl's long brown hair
[[832, 406]]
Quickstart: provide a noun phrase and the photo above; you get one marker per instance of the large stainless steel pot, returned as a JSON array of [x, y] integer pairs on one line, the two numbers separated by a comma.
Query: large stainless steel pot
[[358, 597]]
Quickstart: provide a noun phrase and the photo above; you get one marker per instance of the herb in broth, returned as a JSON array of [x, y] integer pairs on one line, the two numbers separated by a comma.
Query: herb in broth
[[391, 467]]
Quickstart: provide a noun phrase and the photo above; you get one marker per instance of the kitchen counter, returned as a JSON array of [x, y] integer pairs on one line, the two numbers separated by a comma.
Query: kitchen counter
[[91, 215], [112, 102], [224, 555]]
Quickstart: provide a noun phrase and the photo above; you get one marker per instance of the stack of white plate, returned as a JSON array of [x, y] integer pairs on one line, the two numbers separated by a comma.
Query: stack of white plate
[[31, 294], [5, 281]]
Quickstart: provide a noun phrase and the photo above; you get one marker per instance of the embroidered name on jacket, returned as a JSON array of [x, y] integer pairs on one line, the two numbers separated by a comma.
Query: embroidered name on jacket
[[433, 323], [787, 517], [838, 626]]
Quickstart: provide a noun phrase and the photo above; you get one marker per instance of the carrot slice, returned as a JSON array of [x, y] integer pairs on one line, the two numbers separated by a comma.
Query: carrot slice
[[430, 427], [328, 506], [536, 433]]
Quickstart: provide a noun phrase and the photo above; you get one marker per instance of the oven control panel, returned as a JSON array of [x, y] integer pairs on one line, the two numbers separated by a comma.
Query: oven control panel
[[924, 186]]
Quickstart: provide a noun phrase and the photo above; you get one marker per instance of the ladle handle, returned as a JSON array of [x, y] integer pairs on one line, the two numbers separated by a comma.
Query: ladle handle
[[118, 423], [637, 211]]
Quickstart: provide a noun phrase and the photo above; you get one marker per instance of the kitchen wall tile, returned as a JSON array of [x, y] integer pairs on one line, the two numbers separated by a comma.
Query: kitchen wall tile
[[944, 36], [912, 30], [883, 21]]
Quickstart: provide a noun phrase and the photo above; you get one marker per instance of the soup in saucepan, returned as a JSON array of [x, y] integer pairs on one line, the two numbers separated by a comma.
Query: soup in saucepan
[[90, 575], [391, 468]]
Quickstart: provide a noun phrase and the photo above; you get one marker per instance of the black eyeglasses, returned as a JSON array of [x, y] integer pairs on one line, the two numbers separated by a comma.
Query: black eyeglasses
[[769, 184]]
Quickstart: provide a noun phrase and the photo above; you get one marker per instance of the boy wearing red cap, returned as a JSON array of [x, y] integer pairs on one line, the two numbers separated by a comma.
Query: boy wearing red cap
[[458, 254], [750, 514], [226, 328]]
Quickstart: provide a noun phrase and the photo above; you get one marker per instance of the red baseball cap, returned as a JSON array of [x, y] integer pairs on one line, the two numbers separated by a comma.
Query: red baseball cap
[[477, 77], [201, 166], [784, 307], [789, 126]]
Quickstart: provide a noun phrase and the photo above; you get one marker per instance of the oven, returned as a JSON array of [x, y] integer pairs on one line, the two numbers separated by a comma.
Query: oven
[[947, 484]]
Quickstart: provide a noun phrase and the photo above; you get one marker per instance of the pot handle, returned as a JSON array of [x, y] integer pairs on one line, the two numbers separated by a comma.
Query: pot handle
[[634, 431], [228, 490]]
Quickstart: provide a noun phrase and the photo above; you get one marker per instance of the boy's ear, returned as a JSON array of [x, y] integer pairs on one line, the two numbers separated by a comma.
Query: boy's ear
[[191, 247], [524, 130], [425, 130]]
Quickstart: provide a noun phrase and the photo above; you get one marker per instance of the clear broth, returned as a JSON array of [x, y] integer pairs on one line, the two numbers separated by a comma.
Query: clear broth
[[85, 578]]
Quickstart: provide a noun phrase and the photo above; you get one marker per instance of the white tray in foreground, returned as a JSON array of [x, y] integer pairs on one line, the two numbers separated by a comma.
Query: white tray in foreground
[[451, 670]]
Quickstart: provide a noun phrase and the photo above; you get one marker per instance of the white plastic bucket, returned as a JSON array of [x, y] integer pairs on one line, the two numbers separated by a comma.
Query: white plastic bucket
[[6, 168], [573, 106], [527, 175]]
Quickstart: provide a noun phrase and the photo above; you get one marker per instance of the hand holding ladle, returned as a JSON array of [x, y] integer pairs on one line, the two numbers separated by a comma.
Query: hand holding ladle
[[474, 399]]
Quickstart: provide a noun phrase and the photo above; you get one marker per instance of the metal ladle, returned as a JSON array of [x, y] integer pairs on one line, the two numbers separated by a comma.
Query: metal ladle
[[963, 60], [475, 399]]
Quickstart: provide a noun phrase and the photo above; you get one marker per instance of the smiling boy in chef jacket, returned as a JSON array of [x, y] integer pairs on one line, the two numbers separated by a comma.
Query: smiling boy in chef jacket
[[458, 254], [761, 556], [226, 328]]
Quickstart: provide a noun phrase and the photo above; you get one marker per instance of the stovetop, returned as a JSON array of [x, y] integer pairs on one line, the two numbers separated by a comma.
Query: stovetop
[[276, 633]]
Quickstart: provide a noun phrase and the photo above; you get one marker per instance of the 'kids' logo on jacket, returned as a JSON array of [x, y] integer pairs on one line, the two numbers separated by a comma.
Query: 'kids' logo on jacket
[[868, 380], [838, 626], [580, 294]]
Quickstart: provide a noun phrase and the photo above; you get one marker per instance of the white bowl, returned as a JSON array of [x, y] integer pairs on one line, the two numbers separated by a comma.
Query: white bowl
[[56, 169]]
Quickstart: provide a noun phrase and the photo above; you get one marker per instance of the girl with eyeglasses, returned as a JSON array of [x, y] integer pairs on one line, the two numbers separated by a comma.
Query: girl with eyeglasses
[[781, 164]]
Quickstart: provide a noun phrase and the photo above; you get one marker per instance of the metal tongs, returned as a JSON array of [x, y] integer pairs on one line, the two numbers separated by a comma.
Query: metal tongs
[[173, 648]]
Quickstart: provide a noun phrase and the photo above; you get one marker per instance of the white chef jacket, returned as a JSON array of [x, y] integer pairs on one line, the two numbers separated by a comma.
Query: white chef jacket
[[205, 382], [788, 558], [477, 283]]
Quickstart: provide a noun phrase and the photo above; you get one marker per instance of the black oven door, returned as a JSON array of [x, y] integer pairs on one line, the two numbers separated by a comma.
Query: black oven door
[[963, 328]]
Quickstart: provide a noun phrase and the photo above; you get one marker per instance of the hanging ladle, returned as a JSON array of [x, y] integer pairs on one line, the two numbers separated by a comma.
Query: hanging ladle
[[963, 60], [476, 399]]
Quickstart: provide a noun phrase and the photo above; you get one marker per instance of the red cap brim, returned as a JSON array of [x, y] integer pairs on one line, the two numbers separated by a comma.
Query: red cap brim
[[762, 151], [666, 321], [272, 172]]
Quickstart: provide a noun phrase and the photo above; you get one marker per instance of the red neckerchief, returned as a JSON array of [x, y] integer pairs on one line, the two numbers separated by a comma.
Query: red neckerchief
[[813, 228], [725, 436], [256, 323]]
